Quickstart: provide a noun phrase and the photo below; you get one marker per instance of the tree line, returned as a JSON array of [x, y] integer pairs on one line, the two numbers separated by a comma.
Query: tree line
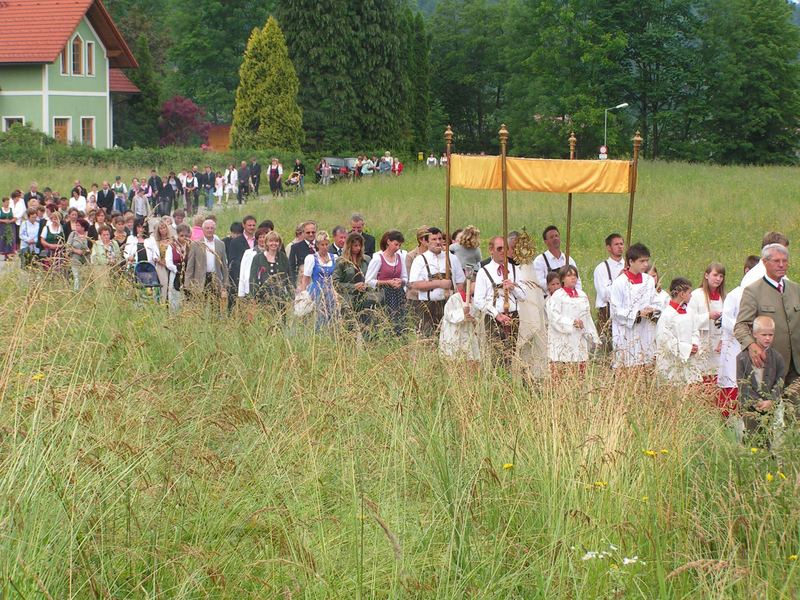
[[704, 80]]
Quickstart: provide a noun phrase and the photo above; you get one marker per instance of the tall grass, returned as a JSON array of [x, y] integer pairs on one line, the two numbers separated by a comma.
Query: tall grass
[[150, 455], [144, 455]]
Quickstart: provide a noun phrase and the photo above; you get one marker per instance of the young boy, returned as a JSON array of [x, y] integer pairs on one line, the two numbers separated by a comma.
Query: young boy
[[760, 390], [677, 338], [633, 304]]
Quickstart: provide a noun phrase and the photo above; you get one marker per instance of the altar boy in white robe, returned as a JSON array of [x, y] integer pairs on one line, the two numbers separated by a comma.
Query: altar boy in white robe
[[634, 311], [570, 325], [678, 338], [491, 285]]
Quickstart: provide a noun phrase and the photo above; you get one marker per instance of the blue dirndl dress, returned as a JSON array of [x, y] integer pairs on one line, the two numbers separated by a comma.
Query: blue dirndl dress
[[321, 290]]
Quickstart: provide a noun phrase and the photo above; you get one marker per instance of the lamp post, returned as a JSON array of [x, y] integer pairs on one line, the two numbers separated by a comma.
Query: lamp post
[[605, 121]]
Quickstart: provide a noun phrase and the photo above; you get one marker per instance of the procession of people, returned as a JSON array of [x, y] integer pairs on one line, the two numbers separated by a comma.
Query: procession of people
[[521, 308]]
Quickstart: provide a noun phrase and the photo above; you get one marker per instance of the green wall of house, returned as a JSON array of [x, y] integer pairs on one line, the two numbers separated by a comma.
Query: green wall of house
[[29, 107], [22, 78]]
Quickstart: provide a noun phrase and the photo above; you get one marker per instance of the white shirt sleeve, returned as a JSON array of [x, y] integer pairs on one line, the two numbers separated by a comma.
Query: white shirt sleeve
[[371, 277], [540, 270], [418, 272], [308, 265], [456, 269], [602, 285], [170, 261], [483, 300]]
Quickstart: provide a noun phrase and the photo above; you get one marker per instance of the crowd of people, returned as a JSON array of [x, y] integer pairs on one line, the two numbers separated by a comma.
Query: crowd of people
[[517, 308]]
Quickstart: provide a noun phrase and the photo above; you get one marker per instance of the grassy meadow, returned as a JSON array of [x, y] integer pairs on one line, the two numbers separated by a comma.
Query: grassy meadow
[[144, 455]]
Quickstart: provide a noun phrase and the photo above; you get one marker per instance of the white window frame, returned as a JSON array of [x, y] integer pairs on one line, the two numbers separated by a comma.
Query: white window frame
[[77, 36], [5, 125], [94, 130], [69, 126], [88, 50]]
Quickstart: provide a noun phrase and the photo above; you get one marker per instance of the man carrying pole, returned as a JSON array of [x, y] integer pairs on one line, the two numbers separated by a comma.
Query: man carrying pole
[[496, 295]]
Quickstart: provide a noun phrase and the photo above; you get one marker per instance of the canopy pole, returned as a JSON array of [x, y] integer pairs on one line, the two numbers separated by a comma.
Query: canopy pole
[[503, 150], [637, 144], [572, 143], [448, 138]]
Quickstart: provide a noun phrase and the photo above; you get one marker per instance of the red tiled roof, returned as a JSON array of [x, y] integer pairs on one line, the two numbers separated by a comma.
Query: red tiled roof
[[119, 82], [36, 31]]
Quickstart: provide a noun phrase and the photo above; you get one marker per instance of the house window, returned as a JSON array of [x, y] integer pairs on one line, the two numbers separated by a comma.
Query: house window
[[61, 126], [87, 131], [9, 121], [77, 55], [65, 61], [90, 58]]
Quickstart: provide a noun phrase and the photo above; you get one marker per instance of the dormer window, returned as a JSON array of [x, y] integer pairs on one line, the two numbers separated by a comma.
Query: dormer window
[[77, 55]]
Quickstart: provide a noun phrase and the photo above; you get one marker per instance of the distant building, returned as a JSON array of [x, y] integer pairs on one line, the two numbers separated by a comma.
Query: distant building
[[60, 62]]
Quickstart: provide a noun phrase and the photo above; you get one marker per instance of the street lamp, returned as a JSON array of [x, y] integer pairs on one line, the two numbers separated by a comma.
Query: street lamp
[[605, 121]]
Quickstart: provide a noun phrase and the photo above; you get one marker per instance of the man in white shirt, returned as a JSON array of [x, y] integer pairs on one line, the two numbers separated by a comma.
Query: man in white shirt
[[551, 259], [758, 272], [491, 285], [428, 278], [604, 275]]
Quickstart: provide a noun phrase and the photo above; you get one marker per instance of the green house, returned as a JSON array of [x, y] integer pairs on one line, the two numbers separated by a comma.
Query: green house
[[60, 64]]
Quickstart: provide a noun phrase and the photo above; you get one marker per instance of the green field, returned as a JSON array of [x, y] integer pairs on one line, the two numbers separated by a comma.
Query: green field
[[146, 455]]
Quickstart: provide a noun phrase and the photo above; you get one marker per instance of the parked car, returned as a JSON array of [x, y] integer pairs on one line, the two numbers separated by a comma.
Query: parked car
[[341, 168]]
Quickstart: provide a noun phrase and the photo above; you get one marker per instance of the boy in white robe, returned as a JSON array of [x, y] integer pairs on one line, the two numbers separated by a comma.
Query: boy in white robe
[[461, 329], [570, 325], [677, 338], [633, 304]]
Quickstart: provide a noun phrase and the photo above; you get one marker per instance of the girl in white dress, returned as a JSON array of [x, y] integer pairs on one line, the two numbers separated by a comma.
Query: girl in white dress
[[571, 329], [706, 307]]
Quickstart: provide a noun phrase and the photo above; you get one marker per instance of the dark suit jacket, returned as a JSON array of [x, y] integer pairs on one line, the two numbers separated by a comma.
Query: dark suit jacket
[[761, 298], [207, 180], [771, 386], [369, 243], [255, 169], [155, 184], [297, 256], [105, 200], [238, 246]]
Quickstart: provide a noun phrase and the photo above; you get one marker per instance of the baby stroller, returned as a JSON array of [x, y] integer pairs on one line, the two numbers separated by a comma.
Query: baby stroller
[[146, 280], [292, 185]]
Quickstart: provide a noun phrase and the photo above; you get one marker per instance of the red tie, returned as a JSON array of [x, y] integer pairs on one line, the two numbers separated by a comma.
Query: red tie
[[500, 270], [780, 287]]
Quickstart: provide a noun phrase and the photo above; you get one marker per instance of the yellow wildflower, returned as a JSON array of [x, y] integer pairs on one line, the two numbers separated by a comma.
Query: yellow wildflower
[[645, 499], [793, 557], [753, 450], [650, 453], [664, 451], [508, 466], [770, 477], [781, 475], [37, 377], [600, 484]]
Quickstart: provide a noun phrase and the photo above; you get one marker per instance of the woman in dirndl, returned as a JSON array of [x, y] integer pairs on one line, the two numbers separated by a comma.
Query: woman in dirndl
[[52, 241], [318, 279], [7, 233], [387, 274]]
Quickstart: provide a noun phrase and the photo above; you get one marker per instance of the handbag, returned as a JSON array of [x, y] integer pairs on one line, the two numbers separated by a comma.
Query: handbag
[[303, 304]]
